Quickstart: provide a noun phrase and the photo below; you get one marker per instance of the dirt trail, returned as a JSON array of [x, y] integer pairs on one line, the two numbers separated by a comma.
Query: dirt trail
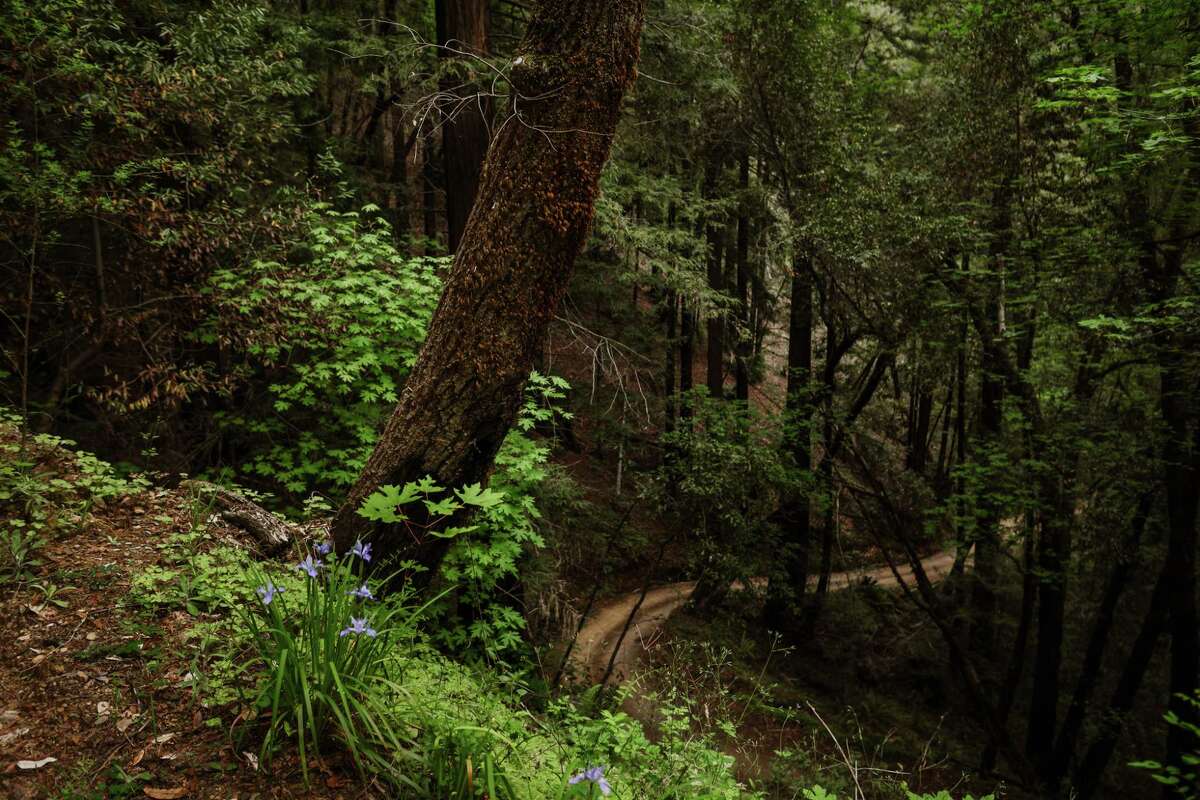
[[599, 635]]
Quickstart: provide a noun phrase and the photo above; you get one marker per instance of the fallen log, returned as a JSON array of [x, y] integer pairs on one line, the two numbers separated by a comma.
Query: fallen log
[[272, 533]]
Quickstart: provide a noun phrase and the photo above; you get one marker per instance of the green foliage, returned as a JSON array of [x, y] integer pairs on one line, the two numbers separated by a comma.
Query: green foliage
[[487, 549], [332, 326], [1183, 779], [151, 132], [726, 475], [461, 763], [677, 764], [818, 793]]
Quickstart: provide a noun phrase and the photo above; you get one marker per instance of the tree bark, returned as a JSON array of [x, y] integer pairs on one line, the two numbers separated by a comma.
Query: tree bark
[[463, 33], [429, 195], [273, 533], [991, 417], [535, 205], [1181, 474], [960, 431]]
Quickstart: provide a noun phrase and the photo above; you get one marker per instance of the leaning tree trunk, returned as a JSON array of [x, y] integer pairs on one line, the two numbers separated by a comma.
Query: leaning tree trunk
[[530, 220]]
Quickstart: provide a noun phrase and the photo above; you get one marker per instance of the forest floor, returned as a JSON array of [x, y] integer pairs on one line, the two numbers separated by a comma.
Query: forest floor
[[100, 694]]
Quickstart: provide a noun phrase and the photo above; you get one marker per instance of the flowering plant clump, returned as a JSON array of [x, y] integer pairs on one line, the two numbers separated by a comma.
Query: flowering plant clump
[[325, 652]]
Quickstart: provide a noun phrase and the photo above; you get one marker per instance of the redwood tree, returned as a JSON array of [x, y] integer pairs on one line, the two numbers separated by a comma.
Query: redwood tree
[[529, 222], [463, 33]]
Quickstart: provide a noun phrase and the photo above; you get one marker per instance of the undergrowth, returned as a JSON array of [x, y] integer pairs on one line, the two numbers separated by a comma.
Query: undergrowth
[[309, 655]]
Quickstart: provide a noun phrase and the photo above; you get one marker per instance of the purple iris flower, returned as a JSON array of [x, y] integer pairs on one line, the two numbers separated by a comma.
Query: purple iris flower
[[310, 565], [362, 593], [324, 548], [267, 593], [358, 625], [596, 776], [361, 550]]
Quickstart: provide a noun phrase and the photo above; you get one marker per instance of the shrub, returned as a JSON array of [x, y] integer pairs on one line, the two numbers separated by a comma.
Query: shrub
[[331, 326]]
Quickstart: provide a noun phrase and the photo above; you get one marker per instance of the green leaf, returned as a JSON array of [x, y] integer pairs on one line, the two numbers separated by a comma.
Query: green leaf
[[474, 495], [383, 504]]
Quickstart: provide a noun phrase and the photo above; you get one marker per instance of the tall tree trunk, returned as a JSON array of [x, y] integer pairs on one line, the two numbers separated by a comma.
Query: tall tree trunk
[[513, 265], [716, 240], [1016, 657], [835, 348], [917, 457], [670, 318], [798, 440], [429, 194], [991, 416], [463, 33], [960, 431], [742, 362], [670, 314], [1180, 474], [687, 360], [1180, 459]]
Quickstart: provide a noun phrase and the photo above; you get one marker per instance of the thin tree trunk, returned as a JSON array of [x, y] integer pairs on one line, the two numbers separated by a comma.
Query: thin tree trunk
[[670, 316], [960, 431], [512, 268], [716, 240], [429, 194], [1093, 659], [1183, 492], [1016, 659], [1095, 760], [687, 360], [828, 390], [991, 419], [742, 363], [942, 470]]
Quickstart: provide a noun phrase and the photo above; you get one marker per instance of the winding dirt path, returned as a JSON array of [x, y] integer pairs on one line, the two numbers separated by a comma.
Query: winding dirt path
[[600, 633]]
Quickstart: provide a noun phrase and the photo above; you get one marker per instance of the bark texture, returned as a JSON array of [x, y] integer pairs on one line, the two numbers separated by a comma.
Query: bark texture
[[530, 220]]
